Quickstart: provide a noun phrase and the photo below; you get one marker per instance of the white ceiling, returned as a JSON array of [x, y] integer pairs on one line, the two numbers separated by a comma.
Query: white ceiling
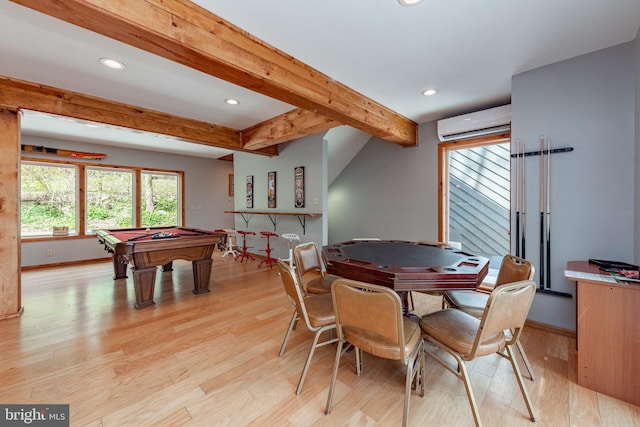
[[466, 49]]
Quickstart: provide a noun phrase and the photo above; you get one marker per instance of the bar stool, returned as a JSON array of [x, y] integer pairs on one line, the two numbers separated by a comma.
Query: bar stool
[[244, 254], [231, 243], [291, 238], [270, 261]]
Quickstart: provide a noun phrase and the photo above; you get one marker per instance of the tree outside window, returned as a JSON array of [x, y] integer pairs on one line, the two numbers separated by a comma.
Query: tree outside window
[[47, 198], [109, 199], [159, 199]]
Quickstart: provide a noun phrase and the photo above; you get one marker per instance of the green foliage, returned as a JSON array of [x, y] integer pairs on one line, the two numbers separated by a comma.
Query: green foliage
[[43, 218], [48, 198], [158, 218]]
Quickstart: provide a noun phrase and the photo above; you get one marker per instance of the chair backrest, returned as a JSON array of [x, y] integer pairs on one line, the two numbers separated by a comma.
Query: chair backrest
[[366, 307], [506, 309], [293, 290], [514, 269], [307, 259]]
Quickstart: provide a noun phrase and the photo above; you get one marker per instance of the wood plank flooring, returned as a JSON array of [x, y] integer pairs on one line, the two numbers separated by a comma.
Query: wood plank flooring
[[212, 360]]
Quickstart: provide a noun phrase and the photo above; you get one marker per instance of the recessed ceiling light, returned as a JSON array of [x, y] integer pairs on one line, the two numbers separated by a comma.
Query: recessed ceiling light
[[429, 92], [112, 63], [408, 3], [232, 101]]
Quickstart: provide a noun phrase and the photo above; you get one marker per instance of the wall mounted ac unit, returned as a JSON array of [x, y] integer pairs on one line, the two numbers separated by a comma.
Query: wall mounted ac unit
[[493, 121]]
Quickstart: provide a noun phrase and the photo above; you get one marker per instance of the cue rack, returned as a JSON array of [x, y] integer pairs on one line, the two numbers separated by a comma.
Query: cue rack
[[545, 151]]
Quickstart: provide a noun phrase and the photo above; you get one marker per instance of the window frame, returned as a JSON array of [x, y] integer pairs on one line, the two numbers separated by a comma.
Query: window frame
[[81, 194], [443, 176]]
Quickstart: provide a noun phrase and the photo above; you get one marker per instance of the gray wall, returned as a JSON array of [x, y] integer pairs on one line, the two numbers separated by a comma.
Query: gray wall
[[309, 152], [205, 196], [388, 191], [636, 55], [586, 103]]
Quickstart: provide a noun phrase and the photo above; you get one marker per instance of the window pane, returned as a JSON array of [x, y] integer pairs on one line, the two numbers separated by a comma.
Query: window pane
[[47, 198], [109, 199], [159, 199], [479, 199]]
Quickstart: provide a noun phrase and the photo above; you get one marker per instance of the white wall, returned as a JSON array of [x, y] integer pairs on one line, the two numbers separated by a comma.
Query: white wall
[[205, 196], [586, 103], [309, 152]]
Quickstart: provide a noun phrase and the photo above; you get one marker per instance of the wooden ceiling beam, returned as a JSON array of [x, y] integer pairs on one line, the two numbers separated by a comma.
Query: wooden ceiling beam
[[184, 32], [18, 94], [286, 127]]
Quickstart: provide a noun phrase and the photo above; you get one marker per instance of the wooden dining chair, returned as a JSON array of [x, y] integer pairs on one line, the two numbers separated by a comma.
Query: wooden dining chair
[[369, 318], [315, 310], [311, 270], [465, 337], [512, 269]]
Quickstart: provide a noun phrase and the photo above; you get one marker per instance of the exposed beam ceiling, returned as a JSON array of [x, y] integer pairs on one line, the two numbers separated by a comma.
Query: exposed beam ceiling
[[468, 50], [186, 33]]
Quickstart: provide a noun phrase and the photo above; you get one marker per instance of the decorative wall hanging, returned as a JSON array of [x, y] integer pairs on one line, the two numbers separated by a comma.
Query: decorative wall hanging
[[298, 185], [230, 191], [271, 189], [61, 152], [249, 191]]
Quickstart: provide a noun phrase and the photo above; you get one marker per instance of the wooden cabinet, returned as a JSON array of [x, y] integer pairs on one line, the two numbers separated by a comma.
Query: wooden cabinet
[[608, 333]]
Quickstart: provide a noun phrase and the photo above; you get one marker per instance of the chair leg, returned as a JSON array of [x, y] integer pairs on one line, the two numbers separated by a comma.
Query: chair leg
[[308, 362], [314, 345], [339, 352], [464, 375], [294, 319], [415, 371], [526, 361], [359, 357], [523, 389], [421, 368]]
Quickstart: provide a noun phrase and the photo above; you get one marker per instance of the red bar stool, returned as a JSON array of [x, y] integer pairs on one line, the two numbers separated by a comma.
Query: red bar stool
[[270, 261], [244, 254]]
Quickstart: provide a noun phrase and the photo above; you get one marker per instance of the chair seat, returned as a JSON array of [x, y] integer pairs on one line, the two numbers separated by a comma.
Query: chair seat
[[320, 310], [457, 330], [319, 284], [381, 346], [472, 302]]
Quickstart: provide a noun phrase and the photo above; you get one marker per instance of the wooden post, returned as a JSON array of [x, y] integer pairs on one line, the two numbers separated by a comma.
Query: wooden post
[[10, 289]]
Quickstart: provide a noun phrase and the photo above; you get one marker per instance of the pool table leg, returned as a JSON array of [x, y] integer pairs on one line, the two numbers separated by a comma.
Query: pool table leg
[[120, 265], [201, 275], [144, 280]]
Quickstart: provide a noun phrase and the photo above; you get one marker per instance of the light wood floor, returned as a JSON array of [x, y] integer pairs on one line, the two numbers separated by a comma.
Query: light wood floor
[[212, 360]]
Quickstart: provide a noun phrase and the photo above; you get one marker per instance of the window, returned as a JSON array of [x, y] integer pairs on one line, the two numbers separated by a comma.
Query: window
[[48, 198], [159, 199], [86, 198], [109, 199], [475, 198]]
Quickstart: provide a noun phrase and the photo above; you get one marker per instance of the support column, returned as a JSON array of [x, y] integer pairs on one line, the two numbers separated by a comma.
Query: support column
[[10, 285]]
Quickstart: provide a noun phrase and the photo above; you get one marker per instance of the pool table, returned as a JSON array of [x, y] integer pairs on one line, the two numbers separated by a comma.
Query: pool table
[[147, 248], [406, 266]]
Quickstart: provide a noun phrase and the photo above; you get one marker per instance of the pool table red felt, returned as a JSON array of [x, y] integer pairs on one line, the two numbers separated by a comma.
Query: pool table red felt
[[406, 266], [138, 247]]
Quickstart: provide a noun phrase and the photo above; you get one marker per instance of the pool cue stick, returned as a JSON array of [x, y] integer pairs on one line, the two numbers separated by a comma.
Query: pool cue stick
[[548, 213], [524, 205], [517, 199], [542, 266]]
